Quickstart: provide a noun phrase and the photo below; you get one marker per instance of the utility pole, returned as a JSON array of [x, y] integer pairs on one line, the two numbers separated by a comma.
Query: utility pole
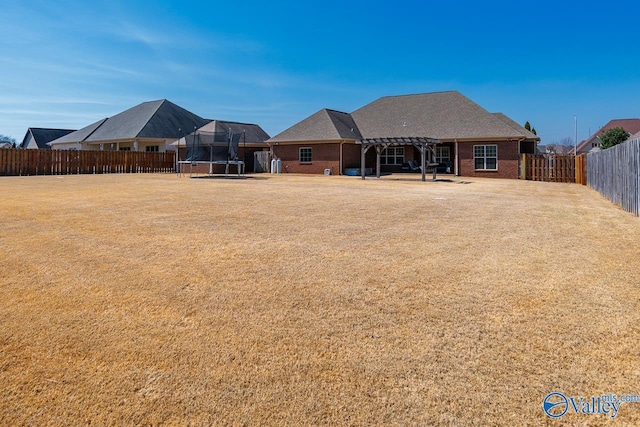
[[575, 118]]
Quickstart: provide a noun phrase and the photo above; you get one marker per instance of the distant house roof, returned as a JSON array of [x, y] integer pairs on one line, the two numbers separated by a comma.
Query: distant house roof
[[253, 134], [43, 136], [322, 126], [630, 125], [554, 148], [442, 115], [160, 119], [634, 136]]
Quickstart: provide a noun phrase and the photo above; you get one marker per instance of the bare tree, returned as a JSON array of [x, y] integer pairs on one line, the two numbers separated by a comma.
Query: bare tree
[[566, 141], [5, 138]]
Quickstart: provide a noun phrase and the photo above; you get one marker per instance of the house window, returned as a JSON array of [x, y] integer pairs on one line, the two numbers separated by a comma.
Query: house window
[[125, 148], [152, 148], [392, 156], [442, 154], [304, 155], [485, 157]]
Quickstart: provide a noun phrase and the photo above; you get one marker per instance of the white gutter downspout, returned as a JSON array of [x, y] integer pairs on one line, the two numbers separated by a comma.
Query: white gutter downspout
[[520, 155], [456, 170], [340, 171]]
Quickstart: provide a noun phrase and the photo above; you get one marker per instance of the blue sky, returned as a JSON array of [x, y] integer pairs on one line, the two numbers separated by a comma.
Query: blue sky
[[66, 64]]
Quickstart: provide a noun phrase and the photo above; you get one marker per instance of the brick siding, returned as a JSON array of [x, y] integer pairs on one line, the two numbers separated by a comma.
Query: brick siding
[[508, 158]]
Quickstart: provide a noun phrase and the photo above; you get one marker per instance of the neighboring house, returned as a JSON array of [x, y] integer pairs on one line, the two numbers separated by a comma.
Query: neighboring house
[[150, 126], [474, 141], [554, 149], [252, 138], [593, 142], [39, 138], [6, 144], [634, 137]]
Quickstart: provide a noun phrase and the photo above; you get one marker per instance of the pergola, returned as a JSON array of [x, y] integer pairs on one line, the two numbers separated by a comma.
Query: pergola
[[422, 144]]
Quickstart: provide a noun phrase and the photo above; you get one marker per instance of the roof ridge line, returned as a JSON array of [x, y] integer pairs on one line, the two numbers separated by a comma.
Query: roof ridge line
[[160, 102], [97, 127]]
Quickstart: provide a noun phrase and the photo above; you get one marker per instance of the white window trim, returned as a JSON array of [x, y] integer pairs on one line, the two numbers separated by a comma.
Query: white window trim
[[440, 151], [485, 157], [384, 156], [310, 155]]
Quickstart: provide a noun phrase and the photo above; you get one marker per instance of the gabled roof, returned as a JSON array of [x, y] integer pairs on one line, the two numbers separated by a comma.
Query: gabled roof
[[630, 125], [160, 119], [253, 134], [322, 126], [42, 136], [441, 115]]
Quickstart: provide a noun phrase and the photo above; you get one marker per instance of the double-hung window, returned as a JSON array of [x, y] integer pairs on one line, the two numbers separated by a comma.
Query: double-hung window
[[485, 157], [442, 154], [392, 156]]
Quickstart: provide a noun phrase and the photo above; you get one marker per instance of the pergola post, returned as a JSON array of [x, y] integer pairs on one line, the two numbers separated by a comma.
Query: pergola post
[[433, 158], [378, 151]]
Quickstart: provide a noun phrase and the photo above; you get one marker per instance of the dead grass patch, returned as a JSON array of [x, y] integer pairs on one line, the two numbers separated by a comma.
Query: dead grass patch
[[300, 300]]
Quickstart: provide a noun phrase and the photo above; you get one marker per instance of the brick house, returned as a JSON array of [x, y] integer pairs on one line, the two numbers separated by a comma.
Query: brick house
[[593, 142], [475, 142], [324, 140]]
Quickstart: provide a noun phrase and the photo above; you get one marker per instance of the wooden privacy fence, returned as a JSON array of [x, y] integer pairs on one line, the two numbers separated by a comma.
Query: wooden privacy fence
[[17, 162], [261, 161], [615, 173], [581, 169], [552, 168]]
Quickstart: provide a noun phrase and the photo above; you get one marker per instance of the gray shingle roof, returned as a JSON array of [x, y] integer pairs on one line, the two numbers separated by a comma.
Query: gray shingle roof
[[441, 115], [516, 126], [155, 119], [79, 135], [42, 136], [321, 126]]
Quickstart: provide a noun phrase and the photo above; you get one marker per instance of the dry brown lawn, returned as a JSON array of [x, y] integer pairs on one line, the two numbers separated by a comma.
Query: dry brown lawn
[[312, 300]]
